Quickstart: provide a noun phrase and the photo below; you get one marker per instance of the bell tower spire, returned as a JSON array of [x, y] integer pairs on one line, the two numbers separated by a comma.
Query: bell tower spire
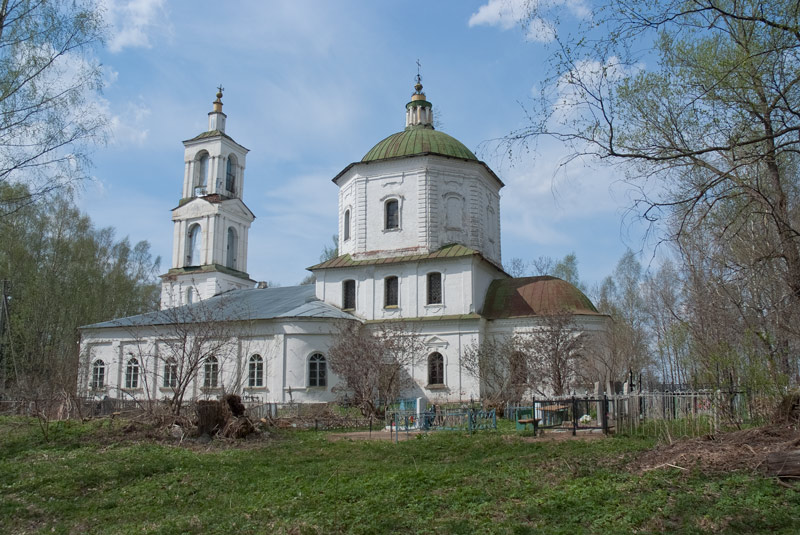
[[211, 222], [216, 119]]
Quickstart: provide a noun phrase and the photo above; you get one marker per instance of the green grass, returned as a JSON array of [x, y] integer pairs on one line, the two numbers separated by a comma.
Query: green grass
[[86, 480]]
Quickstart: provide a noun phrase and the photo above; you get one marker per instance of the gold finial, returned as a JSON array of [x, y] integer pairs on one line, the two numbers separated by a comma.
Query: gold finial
[[218, 102]]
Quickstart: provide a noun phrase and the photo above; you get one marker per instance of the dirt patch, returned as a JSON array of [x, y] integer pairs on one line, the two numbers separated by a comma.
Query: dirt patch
[[374, 435], [566, 436], [737, 450]]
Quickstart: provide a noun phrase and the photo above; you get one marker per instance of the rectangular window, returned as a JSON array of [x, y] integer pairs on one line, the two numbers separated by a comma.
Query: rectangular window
[[211, 373], [132, 374], [390, 291], [349, 295], [392, 214], [170, 375], [434, 288]]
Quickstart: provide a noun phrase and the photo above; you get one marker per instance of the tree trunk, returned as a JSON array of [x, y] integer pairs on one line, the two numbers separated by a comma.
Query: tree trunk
[[784, 464]]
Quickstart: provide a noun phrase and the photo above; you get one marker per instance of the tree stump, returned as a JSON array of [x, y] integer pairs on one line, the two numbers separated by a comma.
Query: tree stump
[[211, 417]]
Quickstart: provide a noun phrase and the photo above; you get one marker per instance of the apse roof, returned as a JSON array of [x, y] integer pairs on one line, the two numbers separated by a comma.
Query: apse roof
[[534, 296], [239, 305]]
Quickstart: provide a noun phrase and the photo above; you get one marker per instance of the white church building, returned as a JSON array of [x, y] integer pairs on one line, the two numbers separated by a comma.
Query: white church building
[[419, 242]]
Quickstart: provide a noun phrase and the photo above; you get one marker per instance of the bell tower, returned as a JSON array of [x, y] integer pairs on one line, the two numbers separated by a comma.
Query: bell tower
[[211, 222]]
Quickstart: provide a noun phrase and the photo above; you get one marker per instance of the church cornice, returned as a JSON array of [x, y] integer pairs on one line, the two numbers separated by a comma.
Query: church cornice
[[422, 319], [208, 268], [212, 134], [420, 155], [454, 250], [214, 198]]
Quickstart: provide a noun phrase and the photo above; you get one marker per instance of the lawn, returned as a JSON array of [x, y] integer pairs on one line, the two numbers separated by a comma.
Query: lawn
[[89, 479]]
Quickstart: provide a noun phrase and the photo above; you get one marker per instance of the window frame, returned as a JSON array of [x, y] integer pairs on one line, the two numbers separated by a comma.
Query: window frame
[[346, 230], [387, 223], [349, 297], [132, 373], [230, 174], [391, 292], [255, 371], [203, 173], [436, 369], [170, 377], [232, 243], [317, 371], [433, 275], [98, 378], [211, 372], [194, 246]]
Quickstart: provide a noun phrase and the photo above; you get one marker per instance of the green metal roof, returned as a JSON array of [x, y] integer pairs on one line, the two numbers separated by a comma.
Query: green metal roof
[[418, 140], [448, 251]]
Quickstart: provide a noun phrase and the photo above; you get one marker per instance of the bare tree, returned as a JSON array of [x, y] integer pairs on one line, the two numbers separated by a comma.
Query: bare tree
[[373, 362], [503, 364], [700, 101], [557, 348], [179, 346], [516, 267], [626, 340]]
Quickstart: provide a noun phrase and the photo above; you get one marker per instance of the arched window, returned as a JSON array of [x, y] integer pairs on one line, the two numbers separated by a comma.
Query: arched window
[[232, 244], [98, 375], [132, 373], [317, 370], [190, 296], [211, 373], [349, 295], [434, 288], [392, 214], [346, 225], [230, 173], [255, 371], [390, 292], [193, 245], [202, 172], [170, 374], [435, 369]]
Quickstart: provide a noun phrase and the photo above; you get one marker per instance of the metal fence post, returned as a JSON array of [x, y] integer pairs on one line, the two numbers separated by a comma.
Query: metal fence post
[[574, 416]]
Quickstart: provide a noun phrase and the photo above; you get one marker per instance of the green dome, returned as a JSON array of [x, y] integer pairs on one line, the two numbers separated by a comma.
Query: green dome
[[418, 140]]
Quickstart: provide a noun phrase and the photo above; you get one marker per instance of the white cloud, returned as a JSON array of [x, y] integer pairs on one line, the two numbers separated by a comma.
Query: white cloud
[[133, 22], [589, 79], [540, 30], [535, 17], [129, 126], [542, 197], [503, 13]]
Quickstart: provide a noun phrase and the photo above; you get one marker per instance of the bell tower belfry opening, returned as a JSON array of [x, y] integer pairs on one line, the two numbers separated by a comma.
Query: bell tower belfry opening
[[211, 222]]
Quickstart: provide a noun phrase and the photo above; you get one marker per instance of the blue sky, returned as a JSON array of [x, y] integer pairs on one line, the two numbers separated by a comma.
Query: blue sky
[[311, 86]]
